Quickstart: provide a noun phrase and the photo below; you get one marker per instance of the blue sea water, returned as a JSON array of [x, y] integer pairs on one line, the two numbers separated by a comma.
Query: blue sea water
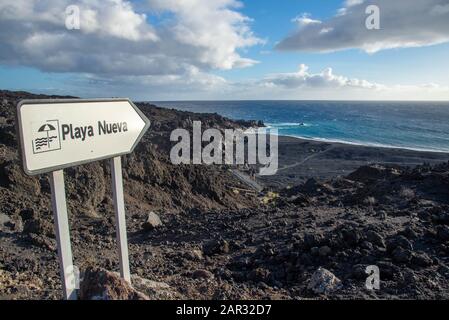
[[409, 125]]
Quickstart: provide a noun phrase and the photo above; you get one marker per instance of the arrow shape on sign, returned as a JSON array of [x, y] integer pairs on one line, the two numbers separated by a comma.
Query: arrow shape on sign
[[55, 134]]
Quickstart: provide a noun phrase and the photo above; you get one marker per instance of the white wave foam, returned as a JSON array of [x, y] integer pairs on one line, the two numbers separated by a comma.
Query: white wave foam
[[289, 124], [366, 144]]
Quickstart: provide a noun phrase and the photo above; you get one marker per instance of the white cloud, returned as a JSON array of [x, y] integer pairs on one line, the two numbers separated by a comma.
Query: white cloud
[[325, 79], [165, 38], [115, 19], [404, 23], [195, 84], [192, 84], [304, 84], [212, 25], [305, 20], [350, 3]]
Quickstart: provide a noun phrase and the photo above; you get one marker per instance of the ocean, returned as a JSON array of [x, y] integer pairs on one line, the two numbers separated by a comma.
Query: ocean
[[410, 125]]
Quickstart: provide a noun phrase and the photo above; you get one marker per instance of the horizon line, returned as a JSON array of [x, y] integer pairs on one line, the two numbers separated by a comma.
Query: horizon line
[[293, 100], [38, 92]]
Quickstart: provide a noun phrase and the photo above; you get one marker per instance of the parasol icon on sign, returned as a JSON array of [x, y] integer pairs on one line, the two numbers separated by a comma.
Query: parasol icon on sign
[[47, 128], [46, 137]]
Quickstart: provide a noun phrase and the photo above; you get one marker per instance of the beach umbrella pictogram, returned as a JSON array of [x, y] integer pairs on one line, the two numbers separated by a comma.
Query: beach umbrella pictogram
[[47, 128]]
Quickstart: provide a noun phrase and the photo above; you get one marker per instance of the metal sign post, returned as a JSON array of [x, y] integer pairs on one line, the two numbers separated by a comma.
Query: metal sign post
[[63, 234], [119, 205], [57, 134]]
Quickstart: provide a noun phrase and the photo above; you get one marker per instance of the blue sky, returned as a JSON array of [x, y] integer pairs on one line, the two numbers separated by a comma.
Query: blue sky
[[233, 51], [272, 21]]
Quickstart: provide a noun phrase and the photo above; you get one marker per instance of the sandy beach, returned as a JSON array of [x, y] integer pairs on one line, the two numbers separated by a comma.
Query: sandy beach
[[301, 159]]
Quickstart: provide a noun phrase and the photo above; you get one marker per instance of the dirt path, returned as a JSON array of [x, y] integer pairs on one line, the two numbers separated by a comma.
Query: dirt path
[[246, 180], [305, 159]]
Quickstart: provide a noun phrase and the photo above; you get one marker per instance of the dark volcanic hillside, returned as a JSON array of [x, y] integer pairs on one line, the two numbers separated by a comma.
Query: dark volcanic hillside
[[312, 240], [151, 181]]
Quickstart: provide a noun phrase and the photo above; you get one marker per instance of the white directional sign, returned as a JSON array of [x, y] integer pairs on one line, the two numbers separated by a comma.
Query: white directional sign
[[56, 134]]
